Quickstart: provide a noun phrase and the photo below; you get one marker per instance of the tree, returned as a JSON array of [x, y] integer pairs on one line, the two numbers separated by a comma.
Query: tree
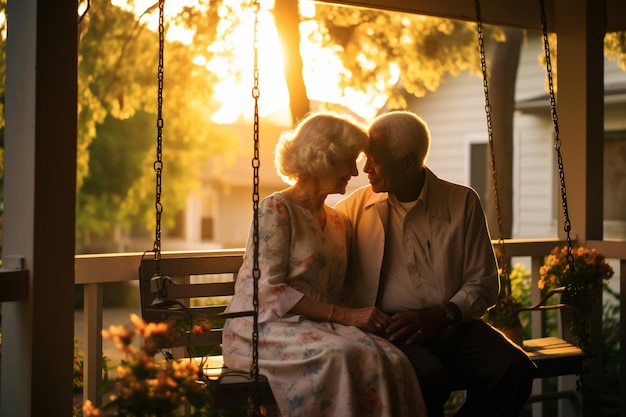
[[287, 20], [615, 47], [117, 97], [503, 71], [387, 54]]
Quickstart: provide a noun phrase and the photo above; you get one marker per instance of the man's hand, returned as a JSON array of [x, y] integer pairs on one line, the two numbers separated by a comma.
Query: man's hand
[[417, 326]]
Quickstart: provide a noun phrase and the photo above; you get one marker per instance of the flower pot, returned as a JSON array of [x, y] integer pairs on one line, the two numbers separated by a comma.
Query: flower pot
[[515, 334], [575, 323]]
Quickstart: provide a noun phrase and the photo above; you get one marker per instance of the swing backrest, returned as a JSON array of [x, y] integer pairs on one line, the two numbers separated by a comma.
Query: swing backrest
[[197, 288], [201, 287]]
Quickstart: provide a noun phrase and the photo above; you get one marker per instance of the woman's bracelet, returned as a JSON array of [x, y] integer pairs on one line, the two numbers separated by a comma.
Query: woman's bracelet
[[332, 310]]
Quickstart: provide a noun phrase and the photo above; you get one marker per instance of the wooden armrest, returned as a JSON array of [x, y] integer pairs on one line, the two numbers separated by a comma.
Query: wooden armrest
[[541, 304]]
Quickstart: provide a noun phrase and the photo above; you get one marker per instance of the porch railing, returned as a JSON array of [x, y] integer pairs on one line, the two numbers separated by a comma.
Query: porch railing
[[95, 270]]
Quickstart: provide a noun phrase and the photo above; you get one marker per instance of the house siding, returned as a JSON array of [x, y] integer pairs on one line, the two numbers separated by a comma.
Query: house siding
[[456, 117]]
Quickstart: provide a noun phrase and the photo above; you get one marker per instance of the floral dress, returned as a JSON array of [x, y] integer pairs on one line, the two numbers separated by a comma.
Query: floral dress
[[315, 369]]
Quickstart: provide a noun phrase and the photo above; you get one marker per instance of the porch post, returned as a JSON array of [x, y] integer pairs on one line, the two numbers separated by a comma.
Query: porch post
[[39, 206], [580, 26]]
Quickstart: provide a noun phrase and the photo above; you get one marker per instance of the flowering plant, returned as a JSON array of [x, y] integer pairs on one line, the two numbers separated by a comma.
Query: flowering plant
[[583, 284], [146, 386], [514, 292]]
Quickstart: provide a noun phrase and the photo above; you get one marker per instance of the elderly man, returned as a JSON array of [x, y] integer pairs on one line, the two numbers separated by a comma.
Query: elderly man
[[421, 252]]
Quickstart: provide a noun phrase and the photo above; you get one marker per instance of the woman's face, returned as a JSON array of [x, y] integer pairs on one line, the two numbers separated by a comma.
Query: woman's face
[[337, 179]]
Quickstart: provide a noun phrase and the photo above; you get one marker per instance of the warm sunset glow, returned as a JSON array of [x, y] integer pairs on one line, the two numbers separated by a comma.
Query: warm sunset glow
[[236, 94], [322, 66]]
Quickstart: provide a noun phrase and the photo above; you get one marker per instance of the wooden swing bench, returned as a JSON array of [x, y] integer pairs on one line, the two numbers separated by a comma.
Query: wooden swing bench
[[553, 356], [200, 287]]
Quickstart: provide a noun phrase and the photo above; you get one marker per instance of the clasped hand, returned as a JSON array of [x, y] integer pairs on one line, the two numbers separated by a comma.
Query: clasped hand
[[415, 326]]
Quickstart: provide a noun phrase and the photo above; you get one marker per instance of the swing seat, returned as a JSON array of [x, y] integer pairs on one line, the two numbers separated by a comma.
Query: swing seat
[[199, 288], [555, 356]]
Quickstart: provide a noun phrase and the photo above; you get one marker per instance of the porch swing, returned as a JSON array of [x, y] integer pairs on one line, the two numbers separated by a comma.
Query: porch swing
[[554, 356], [168, 288]]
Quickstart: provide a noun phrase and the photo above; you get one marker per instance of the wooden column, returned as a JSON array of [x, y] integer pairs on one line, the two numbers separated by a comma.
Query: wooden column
[[580, 101], [39, 206]]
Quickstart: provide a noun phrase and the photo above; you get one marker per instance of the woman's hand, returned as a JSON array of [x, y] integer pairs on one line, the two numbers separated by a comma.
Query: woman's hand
[[366, 318]]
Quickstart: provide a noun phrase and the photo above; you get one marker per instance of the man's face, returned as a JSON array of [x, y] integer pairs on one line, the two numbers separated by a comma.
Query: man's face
[[384, 173]]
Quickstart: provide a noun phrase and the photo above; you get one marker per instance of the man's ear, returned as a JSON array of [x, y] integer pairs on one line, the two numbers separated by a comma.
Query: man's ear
[[410, 162]]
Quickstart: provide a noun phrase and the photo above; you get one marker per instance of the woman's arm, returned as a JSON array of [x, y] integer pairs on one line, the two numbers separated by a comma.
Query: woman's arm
[[367, 318]]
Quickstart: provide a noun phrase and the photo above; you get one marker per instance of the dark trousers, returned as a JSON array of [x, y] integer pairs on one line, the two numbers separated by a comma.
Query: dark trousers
[[475, 357]]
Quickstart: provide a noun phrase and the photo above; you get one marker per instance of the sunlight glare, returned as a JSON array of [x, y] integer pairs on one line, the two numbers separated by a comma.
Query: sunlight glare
[[321, 73], [322, 70], [235, 94]]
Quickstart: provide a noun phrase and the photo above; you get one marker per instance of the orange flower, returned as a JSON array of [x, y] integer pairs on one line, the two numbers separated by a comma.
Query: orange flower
[[201, 327], [590, 269]]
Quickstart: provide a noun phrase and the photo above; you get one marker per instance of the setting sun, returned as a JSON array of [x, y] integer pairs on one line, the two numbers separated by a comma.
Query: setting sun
[[236, 92], [234, 57]]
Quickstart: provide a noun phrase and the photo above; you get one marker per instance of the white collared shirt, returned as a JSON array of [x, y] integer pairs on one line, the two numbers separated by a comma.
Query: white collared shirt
[[446, 244], [406, 263]]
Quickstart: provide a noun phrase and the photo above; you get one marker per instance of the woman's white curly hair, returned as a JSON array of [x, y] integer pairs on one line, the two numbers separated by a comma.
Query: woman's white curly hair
[[317, 143]]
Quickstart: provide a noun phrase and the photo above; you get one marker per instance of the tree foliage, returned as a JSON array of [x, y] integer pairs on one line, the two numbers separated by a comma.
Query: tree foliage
[[390, 53], [614, 50], [118, 62]]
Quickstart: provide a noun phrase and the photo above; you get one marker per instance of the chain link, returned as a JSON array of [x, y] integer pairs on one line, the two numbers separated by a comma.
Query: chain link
[[158, 163], [502, 262], [567, 226], [254, 408]]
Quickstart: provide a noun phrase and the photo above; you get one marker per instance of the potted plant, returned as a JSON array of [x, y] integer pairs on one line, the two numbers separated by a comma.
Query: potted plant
[[504, 315], [582, 275]]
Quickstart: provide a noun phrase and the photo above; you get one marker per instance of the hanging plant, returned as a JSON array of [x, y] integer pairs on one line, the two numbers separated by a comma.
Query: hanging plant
[[504, 315], [583, 285]]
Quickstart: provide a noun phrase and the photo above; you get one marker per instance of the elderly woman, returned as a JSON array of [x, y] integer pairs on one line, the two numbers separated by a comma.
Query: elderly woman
[[319, 356]]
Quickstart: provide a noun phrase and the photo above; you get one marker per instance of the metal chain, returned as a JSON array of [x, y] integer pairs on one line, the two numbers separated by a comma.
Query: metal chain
[[502, 263], [567, 226], [254, 408], [158, 164], [82, 16]]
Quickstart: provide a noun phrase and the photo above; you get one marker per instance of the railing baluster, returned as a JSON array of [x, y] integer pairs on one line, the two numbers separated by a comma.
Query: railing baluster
[[92, 335], [538, 324]]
